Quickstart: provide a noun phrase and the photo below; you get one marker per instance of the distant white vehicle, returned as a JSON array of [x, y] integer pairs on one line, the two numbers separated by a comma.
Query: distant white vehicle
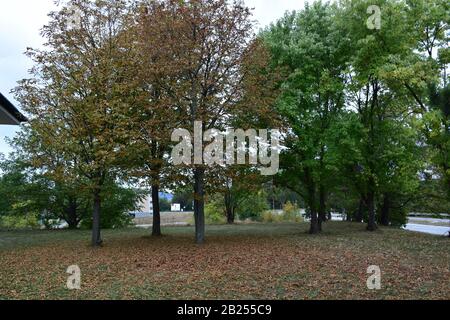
[[176, 207]]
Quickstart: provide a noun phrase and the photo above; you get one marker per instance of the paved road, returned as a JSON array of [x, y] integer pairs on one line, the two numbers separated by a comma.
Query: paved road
[[430, 221], [436, 230], [439, 227]]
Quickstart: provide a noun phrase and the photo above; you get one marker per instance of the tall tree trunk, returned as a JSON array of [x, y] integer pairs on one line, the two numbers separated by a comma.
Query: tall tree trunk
[[360, 213], [370, 201], [96, 236], [229, 208], [230, 216], [199, 205], [72, 219], [322, 207], [371, 187], [384, 219], [156, 229], [314, 228]]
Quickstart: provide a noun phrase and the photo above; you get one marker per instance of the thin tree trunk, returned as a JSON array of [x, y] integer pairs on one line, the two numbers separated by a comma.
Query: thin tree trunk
[[311, 200], [322, 207], [199, 205], [229, 208], [314, 228], [384, 219], [370, 195], [96, 235], [360, 213], [156, 229], [370, 201]]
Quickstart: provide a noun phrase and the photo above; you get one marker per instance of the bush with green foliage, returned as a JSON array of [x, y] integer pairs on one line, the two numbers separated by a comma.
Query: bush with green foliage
[[29, 221], [291, 213], [398, 217], [253, 207], [117, 203], [214, 214], [215, 209], [270, 217]]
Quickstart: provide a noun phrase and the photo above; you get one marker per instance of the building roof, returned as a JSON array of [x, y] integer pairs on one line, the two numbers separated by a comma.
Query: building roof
[[9, 114]]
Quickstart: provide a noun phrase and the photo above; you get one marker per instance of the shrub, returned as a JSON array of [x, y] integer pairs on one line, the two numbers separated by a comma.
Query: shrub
[[270, 217], [253, 207], [291, 213], [213, 214], [398, 217], [116, 205], [19, 222]]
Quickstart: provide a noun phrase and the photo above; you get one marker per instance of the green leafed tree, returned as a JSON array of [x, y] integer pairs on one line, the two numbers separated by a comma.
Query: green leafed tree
[[312, 53]]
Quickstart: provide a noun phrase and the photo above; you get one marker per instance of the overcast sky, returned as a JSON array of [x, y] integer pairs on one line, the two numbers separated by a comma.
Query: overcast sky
[[21, 20]]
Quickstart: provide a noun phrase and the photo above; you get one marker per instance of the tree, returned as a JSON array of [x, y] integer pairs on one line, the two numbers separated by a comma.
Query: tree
[[236, 184], [60, 189], [30, 193], [431, 28], [21, 196], [425, 77], [308, 46], [117, 204], [152, 107], [78, 92], [200, 46], [381, 104], [254, 206]]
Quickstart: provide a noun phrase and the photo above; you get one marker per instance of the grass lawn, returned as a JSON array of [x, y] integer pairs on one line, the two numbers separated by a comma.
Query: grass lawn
[[256, 261]]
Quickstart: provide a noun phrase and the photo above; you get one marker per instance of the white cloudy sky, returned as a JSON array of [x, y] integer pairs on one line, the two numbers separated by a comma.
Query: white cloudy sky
[[21, 20]]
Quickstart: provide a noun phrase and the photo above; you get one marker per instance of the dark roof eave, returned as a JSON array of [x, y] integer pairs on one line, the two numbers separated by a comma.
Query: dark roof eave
[[12, 110]]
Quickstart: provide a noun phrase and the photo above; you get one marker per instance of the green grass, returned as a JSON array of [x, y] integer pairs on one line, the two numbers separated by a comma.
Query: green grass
[[248, 261]]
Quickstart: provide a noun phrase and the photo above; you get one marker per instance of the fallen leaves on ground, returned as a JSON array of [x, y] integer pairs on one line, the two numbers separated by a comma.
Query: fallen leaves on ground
[[274, 261]]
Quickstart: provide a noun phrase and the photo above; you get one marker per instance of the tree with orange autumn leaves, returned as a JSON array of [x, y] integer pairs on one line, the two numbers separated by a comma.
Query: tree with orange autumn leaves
[[77, 95], [207, 66], [107, 91]]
